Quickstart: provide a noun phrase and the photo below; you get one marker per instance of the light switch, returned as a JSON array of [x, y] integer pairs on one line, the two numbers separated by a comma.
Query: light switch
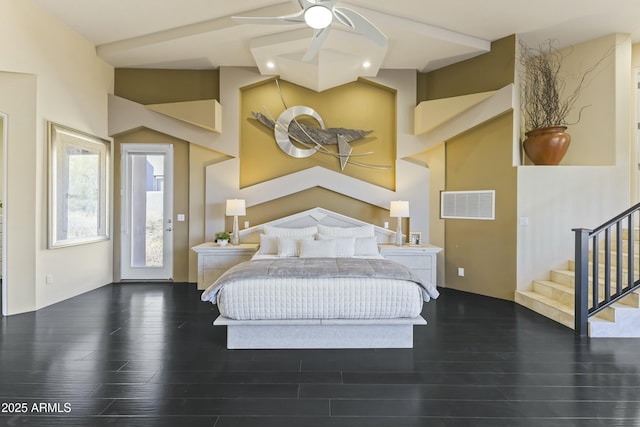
[[180, 218]]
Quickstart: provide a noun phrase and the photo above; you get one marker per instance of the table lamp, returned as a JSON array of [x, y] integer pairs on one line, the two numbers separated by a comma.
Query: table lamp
[[235, 208], [399, 209]]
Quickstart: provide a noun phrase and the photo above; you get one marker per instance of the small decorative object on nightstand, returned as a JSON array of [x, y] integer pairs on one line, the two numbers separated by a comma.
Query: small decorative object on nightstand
[[235, 208], [415, 238], [399, 209], [222, 238]]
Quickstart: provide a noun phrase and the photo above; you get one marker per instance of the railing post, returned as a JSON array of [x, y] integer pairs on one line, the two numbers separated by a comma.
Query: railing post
[[581, 281]]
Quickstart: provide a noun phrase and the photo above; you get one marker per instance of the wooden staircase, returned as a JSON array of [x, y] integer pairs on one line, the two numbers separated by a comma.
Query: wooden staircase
[[554, 298]]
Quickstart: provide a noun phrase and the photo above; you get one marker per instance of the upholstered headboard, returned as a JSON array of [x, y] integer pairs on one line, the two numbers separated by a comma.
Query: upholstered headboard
[[312, 217]]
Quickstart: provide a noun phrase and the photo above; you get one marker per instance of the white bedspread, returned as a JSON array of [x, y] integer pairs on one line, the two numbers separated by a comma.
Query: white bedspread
[[320, 298], [319, 289]]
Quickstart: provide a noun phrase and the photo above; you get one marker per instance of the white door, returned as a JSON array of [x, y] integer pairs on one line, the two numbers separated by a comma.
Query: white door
[[147, 211]]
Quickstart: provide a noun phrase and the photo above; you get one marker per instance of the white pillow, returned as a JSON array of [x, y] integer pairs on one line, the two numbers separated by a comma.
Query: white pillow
[[268, 245], [366, 246], [317, 249], [290, 246], [345, 246], [361, 231], [270, 230]]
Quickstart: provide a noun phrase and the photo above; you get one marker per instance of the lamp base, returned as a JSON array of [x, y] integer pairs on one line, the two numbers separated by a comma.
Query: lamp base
[[399, 239], [235, 236]]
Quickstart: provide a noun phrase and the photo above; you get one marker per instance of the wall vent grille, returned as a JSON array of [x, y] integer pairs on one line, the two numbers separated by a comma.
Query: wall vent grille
[[468, 204]]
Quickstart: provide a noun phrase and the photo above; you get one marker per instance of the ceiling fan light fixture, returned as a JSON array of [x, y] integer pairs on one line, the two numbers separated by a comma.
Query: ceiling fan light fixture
[[318, 17]]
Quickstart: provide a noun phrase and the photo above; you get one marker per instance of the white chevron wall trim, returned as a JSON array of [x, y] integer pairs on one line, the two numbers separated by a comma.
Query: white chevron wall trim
[[500, 102], [125, 116], [410, 186]]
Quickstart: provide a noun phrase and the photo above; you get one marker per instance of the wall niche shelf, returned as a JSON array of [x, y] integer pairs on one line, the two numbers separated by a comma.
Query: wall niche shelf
[[442, 119]]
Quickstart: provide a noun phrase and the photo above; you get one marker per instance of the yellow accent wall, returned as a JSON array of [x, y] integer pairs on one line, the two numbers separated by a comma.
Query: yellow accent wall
[[359, 105], [151, 86], [490, 71], [481, 160]]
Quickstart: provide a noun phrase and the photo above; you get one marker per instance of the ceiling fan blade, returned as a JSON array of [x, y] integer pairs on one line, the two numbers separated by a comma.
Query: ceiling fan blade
[[360, 24], [296, 18], [316, 43], [304, 4]]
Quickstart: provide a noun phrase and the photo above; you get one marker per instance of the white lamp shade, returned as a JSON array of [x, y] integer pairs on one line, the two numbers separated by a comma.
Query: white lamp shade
[[318, 17], [399, 209], [236, 207]]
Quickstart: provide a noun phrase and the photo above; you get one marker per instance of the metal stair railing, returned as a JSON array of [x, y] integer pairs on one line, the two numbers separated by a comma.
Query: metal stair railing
[[604, 273]]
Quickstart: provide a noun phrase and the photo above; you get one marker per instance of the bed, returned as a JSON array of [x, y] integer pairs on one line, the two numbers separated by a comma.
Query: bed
[[322, 285]]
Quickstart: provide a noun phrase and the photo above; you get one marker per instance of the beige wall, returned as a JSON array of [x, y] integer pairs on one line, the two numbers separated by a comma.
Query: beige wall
[[635, 119], [556, 199], [48, 73], [1, 159], [592, 135], [18, 100], [199, 158]]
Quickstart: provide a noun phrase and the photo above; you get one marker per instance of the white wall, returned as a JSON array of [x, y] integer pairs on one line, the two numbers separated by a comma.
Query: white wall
[[61, 80], [556, 199]]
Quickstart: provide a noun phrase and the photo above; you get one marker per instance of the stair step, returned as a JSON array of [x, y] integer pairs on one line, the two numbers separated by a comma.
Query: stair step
[[547, 307], [613, 312], [614, 258], [563, 277], [567, 277], [566, 295], [564, 314], [555, 291]]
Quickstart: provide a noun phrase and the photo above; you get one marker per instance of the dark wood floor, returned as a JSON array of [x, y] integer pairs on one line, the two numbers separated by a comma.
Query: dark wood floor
[[147, 355]]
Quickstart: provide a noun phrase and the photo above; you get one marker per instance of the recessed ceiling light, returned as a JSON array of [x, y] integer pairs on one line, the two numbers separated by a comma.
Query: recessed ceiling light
[[366, 64], [318, 17], [270, 64]]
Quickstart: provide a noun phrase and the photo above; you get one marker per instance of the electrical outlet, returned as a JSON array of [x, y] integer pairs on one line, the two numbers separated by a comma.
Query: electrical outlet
[[460, 271], [48, 279]]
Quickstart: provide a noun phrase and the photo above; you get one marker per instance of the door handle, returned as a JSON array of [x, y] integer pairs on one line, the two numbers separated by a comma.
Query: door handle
[[168, 229]]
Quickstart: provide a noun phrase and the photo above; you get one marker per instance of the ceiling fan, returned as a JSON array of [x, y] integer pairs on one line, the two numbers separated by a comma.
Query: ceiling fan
[[319, 15]]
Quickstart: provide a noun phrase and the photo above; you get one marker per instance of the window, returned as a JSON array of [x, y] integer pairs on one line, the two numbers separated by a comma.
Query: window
[[78, 187]]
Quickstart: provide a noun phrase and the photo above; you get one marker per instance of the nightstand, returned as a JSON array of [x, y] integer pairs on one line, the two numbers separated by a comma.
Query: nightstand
[[420, 258], [213, 259]]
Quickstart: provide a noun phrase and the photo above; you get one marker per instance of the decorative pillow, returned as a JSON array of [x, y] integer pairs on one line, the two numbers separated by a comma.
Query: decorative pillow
[[290, 246], [268, 245], [270, 230], [361, 231], [345, 246], [317, 248], [366, 246]]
